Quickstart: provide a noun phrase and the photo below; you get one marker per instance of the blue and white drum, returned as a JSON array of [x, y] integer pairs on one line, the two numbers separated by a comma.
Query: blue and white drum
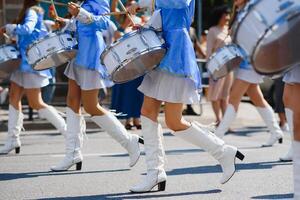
[[224, 60], [51, 51], [269, 33], [135, 54]]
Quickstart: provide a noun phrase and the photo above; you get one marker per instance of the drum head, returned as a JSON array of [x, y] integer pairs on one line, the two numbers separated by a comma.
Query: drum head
[[279, 50], [6, 68], [138, 66], [55, 60], [227, 68]]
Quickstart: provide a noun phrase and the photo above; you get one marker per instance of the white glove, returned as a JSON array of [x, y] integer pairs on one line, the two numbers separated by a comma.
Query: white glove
[[10, 29], [84, 16], [155, 21], [145, 3]]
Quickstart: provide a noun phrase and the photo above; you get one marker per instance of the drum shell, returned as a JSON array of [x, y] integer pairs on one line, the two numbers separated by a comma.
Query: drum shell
[[224, 60], [9, 60], [130, 53], [51, 51], [255, 20]]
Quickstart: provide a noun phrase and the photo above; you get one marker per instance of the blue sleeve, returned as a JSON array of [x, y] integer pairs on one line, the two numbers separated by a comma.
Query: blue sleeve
[[29, 24], [97, 9], [100, 22], [173, 4]]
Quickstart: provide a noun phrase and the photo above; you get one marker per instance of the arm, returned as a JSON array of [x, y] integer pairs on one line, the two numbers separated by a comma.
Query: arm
[[29, 23], [87, 18], [210, 43]]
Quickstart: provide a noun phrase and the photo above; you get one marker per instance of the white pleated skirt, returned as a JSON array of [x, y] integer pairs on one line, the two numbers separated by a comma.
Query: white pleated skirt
[[85, 78], [249, 75], [169, 88], [29, 80], [292, 76]]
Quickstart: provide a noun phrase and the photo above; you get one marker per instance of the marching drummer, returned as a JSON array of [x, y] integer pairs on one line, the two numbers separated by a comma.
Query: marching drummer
[[247, 81], [176, 82], [86, 76], [28, 29]]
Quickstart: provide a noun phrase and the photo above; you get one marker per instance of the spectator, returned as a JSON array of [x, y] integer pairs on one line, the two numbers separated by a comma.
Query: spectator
[[218, 92], [125, 97]]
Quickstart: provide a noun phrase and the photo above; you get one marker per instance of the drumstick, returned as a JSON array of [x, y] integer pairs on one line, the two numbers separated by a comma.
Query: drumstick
[[128, 14], [6, 36], [55, 11], [56, 3]]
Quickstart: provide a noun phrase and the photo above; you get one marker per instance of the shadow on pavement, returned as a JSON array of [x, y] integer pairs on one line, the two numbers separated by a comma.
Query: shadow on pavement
[[217, 168], [168, 152], [275, 196], [247, 131], [13, 176], [150, 195]]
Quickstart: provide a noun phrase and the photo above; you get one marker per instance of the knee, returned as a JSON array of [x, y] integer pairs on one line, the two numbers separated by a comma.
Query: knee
[[73, 102], [174, 125], [35, 104], [148, 112]]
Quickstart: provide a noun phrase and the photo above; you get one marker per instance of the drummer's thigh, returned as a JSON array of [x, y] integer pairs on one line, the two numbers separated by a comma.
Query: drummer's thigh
[[74, 96], [15, 95]]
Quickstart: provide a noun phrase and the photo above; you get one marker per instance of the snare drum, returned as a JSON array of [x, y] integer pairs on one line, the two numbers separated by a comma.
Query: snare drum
[[269, 32], [135, 54], [9, 60], [51, 51], [224, 60]]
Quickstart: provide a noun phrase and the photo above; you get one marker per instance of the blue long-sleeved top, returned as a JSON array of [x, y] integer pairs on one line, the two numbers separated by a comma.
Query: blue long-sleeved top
[[29, 31], [177, 16], [90, 40]]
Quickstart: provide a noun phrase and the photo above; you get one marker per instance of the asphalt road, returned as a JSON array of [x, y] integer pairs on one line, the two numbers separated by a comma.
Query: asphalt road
[[192, 173]]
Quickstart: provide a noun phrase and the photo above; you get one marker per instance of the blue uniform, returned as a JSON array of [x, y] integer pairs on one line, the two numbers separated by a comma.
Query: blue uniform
[[90, 40], [29, 31], [177, 16]]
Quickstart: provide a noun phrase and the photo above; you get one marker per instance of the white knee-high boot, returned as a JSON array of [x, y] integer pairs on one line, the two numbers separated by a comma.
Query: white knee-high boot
[[73, 142], [156, 175], [51, 114], [228, 118], [269, 118], [15, 125], [296, 163], [216, 147], [116, 130], [289, 155]]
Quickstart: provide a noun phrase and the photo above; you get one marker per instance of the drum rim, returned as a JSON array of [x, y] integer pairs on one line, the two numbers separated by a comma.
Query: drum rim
[[133, 58], [279, 22], [242, 16], [123, 38], [46, 57], [50, 35]]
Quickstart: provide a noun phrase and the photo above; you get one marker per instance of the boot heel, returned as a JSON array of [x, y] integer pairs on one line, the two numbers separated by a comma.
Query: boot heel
[[17, 150], [161, 186], [280, 141], [141, 140], [78, 166], [239, 155]]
